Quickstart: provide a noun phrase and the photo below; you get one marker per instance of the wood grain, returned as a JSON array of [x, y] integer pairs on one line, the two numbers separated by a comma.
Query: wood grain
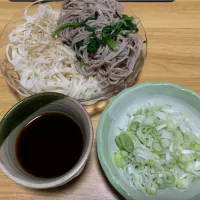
[[173, 31]]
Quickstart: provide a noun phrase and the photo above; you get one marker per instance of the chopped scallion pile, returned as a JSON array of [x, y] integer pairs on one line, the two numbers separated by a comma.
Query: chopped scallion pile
[[160, 148]]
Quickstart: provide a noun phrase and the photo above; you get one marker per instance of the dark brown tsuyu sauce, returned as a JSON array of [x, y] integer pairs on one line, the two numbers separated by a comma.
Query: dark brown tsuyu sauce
[[49, 145]]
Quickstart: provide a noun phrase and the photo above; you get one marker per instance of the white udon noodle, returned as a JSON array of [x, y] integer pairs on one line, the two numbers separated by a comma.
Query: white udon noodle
[[44, 63]]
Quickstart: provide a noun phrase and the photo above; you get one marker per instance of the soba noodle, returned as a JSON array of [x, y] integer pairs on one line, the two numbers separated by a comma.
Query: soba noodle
[[107, 66]]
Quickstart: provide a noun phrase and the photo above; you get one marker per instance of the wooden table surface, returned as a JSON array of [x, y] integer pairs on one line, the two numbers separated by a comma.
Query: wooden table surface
[[173, 31]]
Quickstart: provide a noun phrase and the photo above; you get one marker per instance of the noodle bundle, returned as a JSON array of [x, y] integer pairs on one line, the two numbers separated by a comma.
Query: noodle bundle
[[43, 63], [109, 66]]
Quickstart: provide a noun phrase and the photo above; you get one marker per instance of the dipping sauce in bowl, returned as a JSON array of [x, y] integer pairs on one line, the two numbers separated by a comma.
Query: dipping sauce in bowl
[[45, 140], [49, 145]]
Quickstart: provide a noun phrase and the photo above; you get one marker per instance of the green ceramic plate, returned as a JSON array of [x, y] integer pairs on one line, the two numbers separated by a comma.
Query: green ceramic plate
[[115, 117]]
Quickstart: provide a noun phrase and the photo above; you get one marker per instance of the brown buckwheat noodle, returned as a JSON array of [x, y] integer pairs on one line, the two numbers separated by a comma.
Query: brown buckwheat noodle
[[107, 66]]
